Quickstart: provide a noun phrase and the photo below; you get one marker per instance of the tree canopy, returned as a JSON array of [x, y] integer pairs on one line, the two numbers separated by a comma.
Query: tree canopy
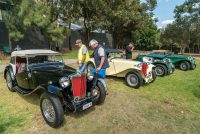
[[126, 20], [184, 32]]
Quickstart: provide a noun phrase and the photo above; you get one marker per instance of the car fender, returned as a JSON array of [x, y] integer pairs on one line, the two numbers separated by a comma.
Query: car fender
[[161, 63], [9, 68], [123, 73], [103, 82], [53, 89], [178, 62]]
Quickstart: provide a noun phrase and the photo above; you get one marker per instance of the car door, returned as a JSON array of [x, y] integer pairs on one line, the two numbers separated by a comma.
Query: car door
[[22, 77], [22, 80], [111, 70]]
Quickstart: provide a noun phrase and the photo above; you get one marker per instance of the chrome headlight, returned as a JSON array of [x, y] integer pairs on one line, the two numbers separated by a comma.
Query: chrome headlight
[[140, 64], [190, 58], [64, 82], [90, 76], [166, 60]]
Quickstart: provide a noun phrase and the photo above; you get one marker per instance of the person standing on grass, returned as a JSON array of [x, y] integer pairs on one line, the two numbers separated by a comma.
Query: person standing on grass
[[129, 49], [100, 58], [83, 55]]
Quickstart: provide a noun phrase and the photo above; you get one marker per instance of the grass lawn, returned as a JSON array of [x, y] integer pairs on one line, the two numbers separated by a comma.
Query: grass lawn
[[169, 105]]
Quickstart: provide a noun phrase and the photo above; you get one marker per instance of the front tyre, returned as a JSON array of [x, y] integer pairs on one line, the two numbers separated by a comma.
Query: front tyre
[[133, 79], [9, 82], [160, 70], [101, 93], [52, 110], [184, 66]]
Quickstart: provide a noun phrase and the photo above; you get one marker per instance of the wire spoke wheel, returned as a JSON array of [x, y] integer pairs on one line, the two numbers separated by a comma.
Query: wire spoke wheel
[[48, 110]]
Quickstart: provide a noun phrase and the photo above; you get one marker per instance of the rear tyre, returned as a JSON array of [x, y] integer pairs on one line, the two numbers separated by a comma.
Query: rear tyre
[[154, 76], [52, 110], [101, 93], [160, 70], [184, 66], [134, 80], [9, 82]]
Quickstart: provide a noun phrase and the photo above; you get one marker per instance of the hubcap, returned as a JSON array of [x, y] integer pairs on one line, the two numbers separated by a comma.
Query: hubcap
[[132, 80], [48, 110], [9, 81], [183, 66], [159, 71]]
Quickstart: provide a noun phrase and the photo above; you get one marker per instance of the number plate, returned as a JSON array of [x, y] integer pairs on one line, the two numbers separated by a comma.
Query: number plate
[[87, 105]]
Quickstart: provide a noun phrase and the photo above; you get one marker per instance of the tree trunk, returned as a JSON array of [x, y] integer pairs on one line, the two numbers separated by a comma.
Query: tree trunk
[[69, 36], [87, 29], [87, 36], [115, 40], [10, 42]]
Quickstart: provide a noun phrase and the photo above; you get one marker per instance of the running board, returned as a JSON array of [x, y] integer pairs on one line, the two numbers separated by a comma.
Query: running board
[[25, 92], [22, 91]]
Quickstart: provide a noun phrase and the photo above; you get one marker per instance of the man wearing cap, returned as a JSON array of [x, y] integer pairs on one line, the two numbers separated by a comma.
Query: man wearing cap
[[100, 57], [83, 55]]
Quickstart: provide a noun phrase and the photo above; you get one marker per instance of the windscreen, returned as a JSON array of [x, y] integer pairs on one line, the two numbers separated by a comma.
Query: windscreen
[[45, 59]]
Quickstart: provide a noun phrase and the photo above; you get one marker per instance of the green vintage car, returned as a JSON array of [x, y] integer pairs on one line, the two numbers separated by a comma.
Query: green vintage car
[[180, 61], [162, 66]]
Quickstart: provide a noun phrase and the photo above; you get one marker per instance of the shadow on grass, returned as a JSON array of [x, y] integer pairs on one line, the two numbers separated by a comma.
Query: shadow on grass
[[79, 114], [122, 80], [116, 79], [33, 98]]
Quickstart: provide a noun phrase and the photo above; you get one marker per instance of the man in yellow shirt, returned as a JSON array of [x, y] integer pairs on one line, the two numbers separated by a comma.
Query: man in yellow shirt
[[83, 55]]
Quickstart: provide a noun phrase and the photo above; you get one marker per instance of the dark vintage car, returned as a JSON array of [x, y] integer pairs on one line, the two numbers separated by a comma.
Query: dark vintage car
[[180, 61], [162, 66], [61, 86]]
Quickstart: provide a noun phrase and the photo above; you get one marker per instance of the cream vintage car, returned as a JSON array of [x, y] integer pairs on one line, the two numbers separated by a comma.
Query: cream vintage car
[[135, 73]]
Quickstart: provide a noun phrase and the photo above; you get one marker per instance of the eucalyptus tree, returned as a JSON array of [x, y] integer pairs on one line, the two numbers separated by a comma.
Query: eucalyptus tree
[[31, 14], [185, 30], [124, 19]]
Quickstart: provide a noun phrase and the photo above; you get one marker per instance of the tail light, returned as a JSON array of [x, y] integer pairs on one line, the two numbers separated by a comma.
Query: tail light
[[144, 69], [79, 87]]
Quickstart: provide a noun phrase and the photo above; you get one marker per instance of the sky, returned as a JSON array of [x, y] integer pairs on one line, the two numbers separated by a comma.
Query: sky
[[164, 11]]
